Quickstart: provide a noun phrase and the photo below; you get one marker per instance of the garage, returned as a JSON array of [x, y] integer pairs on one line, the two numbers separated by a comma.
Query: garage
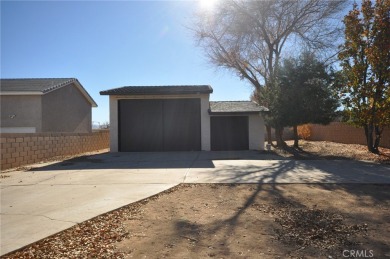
[[236, 125], [181, 118], [159, 125], [229, 133]]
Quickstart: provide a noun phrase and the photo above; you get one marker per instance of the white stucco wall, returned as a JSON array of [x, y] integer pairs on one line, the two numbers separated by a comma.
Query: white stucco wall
[[256, 132], [205, 118], [113, 123], [205, 123]]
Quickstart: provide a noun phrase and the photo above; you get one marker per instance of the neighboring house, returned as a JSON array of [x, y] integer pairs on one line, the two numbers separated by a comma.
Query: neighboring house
[[181, 118], [45, 105]]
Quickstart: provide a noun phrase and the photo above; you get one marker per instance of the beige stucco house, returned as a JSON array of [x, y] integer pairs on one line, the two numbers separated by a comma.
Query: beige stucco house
[[181, 118], [45, 105]]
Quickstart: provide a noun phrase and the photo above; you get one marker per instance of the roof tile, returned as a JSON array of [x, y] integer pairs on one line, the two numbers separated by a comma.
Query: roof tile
[[40, 85], [33, 84], [235, 107], [159, 90]]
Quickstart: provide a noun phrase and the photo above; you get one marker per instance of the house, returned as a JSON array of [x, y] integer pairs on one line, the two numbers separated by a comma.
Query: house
[[45, 105], [181, 118]]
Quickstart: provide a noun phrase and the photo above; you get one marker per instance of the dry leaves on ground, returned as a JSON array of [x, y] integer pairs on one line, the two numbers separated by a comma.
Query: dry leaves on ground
[[332, 150], [316, 228]]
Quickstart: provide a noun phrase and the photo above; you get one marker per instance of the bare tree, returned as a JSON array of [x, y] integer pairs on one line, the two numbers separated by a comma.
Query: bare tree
[[249, 38]]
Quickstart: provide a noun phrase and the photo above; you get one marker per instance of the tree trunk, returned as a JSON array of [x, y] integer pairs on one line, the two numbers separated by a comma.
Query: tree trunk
[[279, 137], [296, 144], [378, 136], [269, 134], [368, 131]]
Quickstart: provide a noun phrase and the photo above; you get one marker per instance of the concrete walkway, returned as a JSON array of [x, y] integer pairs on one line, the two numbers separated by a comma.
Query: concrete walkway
[[53, 197]]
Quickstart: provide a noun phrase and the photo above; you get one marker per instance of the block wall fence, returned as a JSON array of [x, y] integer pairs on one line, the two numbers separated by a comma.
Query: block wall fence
[[343, 133], [18, 149]]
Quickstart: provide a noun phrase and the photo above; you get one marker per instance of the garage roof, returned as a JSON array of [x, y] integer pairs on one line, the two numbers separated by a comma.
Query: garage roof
[[159, 90], [235, 107]]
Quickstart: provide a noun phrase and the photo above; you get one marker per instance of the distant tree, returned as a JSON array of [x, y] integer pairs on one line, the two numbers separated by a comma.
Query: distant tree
[[305, 93], [365, 60], [249, 37], [105, 125]]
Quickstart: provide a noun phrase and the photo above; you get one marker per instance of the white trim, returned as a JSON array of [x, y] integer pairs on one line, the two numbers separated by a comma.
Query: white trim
[[20, 93], [18, 130]]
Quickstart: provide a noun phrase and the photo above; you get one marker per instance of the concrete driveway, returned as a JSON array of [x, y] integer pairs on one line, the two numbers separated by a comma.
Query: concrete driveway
[[53, 197]]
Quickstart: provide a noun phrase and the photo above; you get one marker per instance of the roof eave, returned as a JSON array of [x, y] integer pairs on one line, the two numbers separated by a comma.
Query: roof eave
[[158, 93], [21, 93], [234, 113], [54, 88], [85, 93]]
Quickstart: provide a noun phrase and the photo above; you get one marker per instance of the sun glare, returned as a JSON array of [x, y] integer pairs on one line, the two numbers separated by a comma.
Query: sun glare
[[207, 4]]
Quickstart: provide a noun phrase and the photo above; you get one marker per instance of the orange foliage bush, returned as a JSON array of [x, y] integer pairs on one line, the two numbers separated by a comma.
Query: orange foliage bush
[[304, 131]]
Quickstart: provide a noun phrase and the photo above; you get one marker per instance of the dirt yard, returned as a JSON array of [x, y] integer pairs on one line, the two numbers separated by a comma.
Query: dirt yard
[[241, 221], [332, 150], [267, 221], [234, 221]]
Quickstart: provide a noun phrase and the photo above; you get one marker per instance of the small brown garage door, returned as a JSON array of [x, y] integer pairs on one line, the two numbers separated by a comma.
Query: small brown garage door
[[229, 133], [159, 125]]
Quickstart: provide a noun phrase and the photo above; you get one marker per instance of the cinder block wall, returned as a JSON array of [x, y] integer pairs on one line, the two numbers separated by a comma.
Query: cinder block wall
[[343, 133], [19, 149]]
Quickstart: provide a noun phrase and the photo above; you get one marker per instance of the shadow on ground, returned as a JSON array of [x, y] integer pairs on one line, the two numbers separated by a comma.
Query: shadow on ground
[[156, 160], [300, 154], [268, 181], [237, 230], [365, 196]]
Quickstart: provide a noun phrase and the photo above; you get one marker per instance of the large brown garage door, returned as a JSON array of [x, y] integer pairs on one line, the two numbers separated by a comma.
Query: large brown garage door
[[229, 133], [159, 125]]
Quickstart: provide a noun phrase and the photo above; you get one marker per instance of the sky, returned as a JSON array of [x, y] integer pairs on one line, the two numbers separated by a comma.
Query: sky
[[107, 45]]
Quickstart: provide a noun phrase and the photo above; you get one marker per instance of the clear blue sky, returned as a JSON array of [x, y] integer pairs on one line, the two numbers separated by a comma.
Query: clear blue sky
[[107, 45]]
